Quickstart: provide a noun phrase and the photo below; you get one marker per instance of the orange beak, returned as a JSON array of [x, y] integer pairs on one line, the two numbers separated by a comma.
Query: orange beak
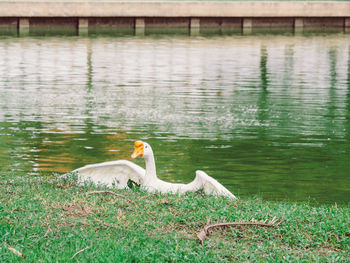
[[138, 152]]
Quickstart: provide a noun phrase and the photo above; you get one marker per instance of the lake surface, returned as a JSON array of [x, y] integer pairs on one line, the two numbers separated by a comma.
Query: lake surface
[[264, 115]]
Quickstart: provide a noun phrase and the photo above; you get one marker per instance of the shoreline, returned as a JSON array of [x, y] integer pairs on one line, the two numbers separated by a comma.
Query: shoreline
[[44, 218]]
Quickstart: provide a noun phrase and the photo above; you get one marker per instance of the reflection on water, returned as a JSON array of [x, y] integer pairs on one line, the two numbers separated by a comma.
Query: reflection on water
[[263, 115]]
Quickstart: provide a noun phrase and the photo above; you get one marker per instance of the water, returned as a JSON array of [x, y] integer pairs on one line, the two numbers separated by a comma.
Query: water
[[265, 115]]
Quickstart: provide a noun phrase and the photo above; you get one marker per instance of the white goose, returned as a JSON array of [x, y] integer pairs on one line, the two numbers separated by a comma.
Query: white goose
[[118, 173]]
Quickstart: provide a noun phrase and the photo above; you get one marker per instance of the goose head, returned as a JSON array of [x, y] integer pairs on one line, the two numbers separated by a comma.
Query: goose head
[[142, 149]]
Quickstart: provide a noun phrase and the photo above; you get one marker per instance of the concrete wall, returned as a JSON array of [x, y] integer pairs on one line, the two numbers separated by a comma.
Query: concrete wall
[[111, 25], [70, 17], [174, 9]]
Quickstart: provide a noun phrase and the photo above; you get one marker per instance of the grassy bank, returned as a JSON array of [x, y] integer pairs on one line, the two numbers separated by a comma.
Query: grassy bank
[[49, 220]]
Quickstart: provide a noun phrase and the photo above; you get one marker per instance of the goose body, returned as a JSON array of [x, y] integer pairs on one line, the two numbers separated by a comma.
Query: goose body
[[118, 173]]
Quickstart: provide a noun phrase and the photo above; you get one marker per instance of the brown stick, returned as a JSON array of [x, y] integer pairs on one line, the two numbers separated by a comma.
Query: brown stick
[[205, 232], [79, 252], [47, 232], [105, 224], [104, 192], [16, 252], [112, 193]]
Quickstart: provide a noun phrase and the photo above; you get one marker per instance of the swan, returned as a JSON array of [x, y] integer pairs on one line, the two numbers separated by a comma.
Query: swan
[[118, 173]]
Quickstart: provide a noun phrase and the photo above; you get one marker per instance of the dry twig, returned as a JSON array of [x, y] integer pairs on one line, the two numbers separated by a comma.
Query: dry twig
[[112, 193], [79, 252], [105, 224], [47, 232], [104, 192], [205, 232], [16, 252]]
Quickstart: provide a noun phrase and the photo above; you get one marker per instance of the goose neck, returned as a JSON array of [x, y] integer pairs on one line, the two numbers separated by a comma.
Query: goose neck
[[150, 167]]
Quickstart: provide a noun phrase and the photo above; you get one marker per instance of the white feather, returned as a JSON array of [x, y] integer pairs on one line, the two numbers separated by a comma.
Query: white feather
[[114, 173]]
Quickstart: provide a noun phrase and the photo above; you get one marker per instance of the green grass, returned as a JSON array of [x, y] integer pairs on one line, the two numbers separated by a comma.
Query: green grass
[[49, 220]]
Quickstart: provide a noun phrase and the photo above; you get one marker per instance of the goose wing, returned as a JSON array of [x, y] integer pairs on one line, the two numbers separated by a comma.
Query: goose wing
[[112, 174], [210, 185]]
